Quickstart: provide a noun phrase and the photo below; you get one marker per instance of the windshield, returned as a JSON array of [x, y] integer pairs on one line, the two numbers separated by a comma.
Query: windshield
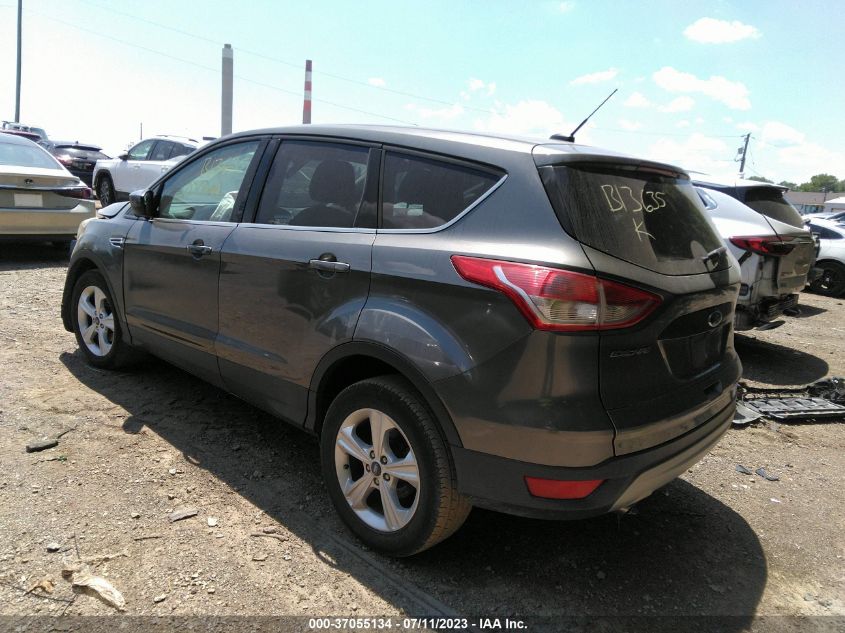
[[647, 217], [771, 203], [26, 156]]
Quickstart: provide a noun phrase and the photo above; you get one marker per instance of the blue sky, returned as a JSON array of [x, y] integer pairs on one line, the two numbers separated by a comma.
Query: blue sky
[[692, 76]]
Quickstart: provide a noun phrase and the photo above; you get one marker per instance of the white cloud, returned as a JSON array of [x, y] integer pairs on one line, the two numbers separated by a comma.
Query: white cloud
[[444, 114], [594, 78], [780, 134], [697, 152], [528, 117], [712, 31], [682, 123], [636, 100], [733, 94], [631, 126], [747, 126], [679, 104], [478, 85], [800, 162], [727, 119], [377, 81], [566, 6]]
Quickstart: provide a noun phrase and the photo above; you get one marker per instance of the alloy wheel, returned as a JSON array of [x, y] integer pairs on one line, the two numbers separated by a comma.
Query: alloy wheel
[[377, 470], [95, 320]]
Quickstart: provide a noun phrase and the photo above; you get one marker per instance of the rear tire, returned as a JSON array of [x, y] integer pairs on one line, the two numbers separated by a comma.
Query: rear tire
[[105, 190], [832, 280], [96, 325], [398, 494]]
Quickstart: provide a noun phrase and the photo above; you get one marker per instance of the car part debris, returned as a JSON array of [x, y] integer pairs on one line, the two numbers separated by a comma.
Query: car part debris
[[178, 515], [80, 576], [46, 585], [762, 472], [744, 415], [742, 469], [820, 400]]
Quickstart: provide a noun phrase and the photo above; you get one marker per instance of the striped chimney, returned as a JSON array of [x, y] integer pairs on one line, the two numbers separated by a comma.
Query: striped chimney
[[306, 104]]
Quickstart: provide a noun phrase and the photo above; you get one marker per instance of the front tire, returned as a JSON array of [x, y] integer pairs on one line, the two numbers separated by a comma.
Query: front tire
[[95, 324], [105, 190], [388, 470], [832, 280]]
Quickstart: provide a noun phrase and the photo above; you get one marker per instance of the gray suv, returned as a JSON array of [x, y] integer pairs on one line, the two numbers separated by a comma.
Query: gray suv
[[538, 328]]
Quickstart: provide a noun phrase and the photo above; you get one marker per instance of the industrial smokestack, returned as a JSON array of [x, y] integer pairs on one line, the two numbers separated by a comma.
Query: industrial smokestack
[[306, 104], [226, 99]]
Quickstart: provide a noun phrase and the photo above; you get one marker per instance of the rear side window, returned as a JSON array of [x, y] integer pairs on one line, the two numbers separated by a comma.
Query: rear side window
[[771, 203], [421, 193], [314, 184], [650, 218], [162, 150]]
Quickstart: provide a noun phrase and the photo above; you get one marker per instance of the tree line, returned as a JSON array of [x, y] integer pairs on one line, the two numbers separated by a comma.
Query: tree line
[[819, 182]]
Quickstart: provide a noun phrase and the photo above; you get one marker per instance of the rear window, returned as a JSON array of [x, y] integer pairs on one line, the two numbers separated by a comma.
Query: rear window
[[26, 156], [421, 193], [650, 218], [771, 203]]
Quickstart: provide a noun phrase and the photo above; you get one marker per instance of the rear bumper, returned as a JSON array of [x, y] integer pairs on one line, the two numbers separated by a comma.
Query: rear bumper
[[498, 483], [44, 223]]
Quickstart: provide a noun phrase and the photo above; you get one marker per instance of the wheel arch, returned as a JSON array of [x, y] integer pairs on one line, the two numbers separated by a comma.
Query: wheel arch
[[81, 265], [352, 362]]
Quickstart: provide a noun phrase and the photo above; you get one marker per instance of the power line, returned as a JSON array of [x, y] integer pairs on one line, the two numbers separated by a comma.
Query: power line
[[215, 70]]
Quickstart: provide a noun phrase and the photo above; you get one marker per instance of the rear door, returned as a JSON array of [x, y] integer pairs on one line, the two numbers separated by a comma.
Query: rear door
[[294, 281], [172, 263], [644, 225], [125, 172]]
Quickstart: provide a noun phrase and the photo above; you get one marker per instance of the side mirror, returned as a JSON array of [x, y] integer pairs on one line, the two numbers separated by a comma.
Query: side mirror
[[142, 203], [123, 156]]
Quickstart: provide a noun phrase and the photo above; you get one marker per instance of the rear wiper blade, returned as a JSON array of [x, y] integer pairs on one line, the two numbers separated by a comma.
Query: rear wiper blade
[[714, 256]]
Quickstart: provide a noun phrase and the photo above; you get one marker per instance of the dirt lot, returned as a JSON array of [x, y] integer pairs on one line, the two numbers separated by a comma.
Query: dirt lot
[[155, 440]]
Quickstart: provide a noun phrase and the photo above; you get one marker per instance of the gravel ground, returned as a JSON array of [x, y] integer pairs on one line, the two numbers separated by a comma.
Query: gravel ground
[[265, 539]]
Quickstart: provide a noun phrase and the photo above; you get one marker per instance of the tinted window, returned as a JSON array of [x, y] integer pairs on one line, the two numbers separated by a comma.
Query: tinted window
[[162, 150], [180, 150], [771, 203], [314, 184], [650, 218], [825, 233], [140, 151], [26, 156], [423, 193], [208, 188]]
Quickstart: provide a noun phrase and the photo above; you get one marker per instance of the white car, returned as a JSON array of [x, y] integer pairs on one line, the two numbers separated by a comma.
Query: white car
[[115, 178], [774, 257], [831, 259]]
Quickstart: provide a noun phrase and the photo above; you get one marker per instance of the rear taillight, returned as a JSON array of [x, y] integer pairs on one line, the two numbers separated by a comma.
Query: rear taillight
[[64, 159], [560, 300], [763, 245], [83, 193]]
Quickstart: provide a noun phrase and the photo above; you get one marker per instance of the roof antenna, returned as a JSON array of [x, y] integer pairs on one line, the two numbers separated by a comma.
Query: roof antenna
[[571, 137]]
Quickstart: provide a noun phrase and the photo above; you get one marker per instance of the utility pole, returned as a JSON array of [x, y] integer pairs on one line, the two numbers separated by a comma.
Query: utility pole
[[743, 151], [18, 80], [226, 90]]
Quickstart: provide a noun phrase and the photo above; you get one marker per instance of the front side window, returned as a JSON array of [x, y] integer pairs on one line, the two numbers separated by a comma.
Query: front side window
[[422, 193], [208, 188], [314, 184], [141, 150]]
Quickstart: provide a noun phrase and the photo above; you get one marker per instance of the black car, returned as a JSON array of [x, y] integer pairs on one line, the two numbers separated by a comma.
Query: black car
[[78, 158], [541, 328]]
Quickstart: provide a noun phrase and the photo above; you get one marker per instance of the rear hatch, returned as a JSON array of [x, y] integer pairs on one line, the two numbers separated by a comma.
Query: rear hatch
[[79, 157], [799, 252], [643, 224]]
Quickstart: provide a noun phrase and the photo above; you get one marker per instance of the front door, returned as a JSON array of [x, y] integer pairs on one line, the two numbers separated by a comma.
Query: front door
[[294, 282], [172, 263]]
